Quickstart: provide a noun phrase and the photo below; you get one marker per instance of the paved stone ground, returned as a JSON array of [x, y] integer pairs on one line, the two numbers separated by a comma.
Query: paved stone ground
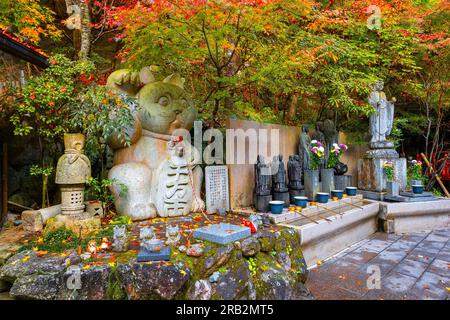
[[412, 267]]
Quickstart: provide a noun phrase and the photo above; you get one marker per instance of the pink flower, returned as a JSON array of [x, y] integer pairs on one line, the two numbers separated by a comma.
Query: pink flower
[[343, 146], [337, 152]]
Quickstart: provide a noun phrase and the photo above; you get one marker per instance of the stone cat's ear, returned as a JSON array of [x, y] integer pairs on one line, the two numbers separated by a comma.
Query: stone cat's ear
[[175, 79], [146, 75]]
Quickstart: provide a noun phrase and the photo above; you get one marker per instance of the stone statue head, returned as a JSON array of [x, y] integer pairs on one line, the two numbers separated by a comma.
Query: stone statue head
[[120, 231], [319, 125], [378, 85], [260, 158], [147, 233], [164, 106], [296, 157], [305, 128], [172, 231], [74, 142]]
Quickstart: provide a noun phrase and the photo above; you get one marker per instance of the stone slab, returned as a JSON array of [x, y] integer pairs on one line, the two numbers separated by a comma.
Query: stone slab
[[400, 198], [416, 195], [216, 187], [222, 233], [145, 256], [327, 238], [372, 195]]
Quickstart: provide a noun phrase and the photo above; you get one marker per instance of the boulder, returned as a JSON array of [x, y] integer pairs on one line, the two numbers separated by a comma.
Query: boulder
[[279, 284], [214, 259], [152, 280], [250, 247], [92, 283], [267, 241], [27, 263], [285, 261], [200, 290], [36, 286], [233, 284]]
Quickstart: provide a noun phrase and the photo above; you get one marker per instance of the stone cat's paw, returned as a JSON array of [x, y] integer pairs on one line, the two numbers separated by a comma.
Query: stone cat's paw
[[142, 211]]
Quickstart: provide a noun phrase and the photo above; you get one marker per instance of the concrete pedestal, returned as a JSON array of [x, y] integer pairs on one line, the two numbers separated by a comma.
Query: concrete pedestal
[[371, 175], [282, 196], [341, 182], [295, 193], [262, 203]]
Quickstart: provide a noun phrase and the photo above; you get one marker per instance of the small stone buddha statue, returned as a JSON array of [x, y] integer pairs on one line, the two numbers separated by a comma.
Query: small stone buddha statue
[[72, 172]]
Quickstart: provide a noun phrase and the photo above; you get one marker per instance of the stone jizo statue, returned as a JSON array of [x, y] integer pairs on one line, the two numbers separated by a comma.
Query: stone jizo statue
[[295, 172], [381, 121], [279, 178], [304, 147], [262, 177]]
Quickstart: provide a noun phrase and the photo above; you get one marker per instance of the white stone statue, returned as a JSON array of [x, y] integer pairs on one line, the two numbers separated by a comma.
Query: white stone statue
[[382, 120]]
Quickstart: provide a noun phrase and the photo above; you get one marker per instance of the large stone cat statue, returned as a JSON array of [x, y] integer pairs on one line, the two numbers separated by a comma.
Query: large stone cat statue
[[164, 107]]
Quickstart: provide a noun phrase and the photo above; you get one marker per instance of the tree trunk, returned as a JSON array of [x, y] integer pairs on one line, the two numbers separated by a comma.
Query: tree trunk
[[85, 47], [293, 107]]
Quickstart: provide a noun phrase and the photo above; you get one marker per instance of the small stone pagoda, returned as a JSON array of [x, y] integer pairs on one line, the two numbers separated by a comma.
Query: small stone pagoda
[[72, 172]]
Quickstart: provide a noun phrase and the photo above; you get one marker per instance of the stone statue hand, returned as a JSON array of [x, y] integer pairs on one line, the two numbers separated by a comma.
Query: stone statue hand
[[124, 81]]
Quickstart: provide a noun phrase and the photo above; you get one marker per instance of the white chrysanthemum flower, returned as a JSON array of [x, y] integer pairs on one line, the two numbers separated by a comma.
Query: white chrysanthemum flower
[[321, 149], [313, 141]]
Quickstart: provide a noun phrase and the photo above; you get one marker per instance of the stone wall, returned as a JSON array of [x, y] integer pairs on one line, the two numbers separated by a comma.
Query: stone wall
[[242, 175]]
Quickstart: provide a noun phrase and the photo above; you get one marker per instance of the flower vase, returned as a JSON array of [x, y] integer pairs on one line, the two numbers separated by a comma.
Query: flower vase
[[327, 176], [393, 188], [312, 185]]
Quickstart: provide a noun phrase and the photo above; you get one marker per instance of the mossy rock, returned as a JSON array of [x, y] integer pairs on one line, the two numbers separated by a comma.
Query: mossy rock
[[87, 225]]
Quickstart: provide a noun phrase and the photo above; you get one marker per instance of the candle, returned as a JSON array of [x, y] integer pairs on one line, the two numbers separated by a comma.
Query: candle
[[92, 247], [105, 244]]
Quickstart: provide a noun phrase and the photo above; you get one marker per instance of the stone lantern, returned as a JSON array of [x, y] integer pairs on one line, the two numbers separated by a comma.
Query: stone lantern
[[72, 172]]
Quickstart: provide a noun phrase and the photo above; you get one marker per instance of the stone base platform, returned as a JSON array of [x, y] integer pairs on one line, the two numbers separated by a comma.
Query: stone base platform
[[333, 232], [371, 175], [282, 196], [372, 195], [295, 193], [341, 182], [403, 198], [403, 217]]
